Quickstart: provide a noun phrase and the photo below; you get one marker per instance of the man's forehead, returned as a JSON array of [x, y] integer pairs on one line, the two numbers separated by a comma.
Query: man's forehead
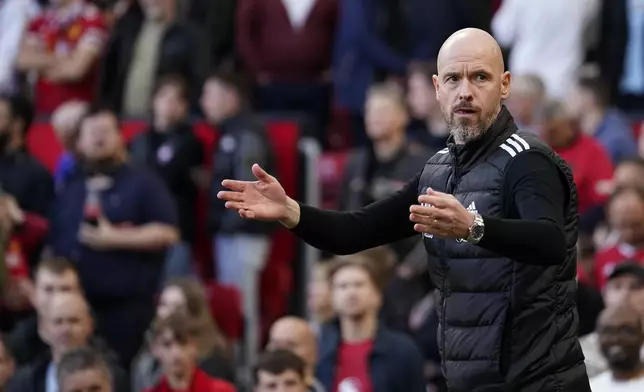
[[469, 47]]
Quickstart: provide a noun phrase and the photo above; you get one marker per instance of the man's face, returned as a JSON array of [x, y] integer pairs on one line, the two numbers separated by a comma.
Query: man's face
[[68, 324], [169, 106], [621, 288], [156, 9], [353, 293], [470, 88], [289, 381], [319, 294], [5, 117], [171, 300], [556, 132], [49, 284], [216, 101], [626, 217], [522, 106], [99, 137], [383, 117], [629, 175], [177, 358], [7, 366], [620, 340], [578, 101], [88, 380], [421, 96], [293, 336]]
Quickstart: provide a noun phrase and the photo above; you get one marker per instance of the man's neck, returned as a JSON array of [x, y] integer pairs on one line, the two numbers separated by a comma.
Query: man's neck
[[357, 330], [628, 375], [181, 382], [590, 120], [56, 356], [387, 148]]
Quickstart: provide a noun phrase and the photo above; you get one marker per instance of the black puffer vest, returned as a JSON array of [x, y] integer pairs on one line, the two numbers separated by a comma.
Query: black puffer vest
[[505, 325]]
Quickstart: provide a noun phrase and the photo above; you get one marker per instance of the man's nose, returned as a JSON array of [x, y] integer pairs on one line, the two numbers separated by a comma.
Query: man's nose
[[465, 90]]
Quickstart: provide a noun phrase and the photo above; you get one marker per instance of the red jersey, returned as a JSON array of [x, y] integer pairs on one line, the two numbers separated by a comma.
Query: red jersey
[[201, 382], [352, 368], [61, 33], [592, 171], [607, 259]]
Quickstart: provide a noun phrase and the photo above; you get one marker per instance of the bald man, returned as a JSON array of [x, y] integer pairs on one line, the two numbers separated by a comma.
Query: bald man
[[497, 210]]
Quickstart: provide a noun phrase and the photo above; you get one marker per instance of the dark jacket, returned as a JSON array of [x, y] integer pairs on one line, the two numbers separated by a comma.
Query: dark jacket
[[395, 364], [32, 378], [25, 342], [504, 325], [243, 142], [175, 156], [179, 54]]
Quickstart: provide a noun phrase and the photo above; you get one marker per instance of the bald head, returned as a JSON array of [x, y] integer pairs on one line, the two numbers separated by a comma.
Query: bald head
[[471, 42], [294, 334]]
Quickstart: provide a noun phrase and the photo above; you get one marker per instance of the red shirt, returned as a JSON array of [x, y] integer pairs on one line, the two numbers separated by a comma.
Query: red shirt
[[60, 33], [201, 382], [607, 259], [352, 368], [592, 171]]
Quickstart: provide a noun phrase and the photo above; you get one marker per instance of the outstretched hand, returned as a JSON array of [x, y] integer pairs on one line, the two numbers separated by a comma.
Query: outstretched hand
[[264, 199], [442, 215]]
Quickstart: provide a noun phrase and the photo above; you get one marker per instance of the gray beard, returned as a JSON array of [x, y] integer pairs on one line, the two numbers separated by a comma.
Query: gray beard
[[465, 134]]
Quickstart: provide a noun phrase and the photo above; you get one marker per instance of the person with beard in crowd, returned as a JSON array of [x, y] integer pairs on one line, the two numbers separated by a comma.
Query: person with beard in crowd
[[621, 336]]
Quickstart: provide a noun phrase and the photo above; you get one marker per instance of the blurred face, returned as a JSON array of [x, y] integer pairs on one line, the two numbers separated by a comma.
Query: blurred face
[[620, 289], [218, 102], [629, 174], [5, 117], [289, 381], [353, 293], [319, 294], [171, 300], [156, 9], [556, 132], [383, 117], [48, 284], [7, 366], [620, 339], [99, 137], [522, 106], [177, 358], [295, 337], [626, 217], [421, 96], [68, 324], [169, 106], [470, 86], [88, 380], [578, 101]]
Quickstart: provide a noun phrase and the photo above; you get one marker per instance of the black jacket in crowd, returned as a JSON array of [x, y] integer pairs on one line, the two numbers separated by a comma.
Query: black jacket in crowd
[[242, 143], [175, 155], [179, 54]]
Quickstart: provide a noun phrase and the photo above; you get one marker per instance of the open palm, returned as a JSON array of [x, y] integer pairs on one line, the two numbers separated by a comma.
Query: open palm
[[263, 199]]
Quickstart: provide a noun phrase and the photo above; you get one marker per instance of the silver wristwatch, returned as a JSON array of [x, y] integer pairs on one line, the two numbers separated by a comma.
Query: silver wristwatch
[[477, 230]]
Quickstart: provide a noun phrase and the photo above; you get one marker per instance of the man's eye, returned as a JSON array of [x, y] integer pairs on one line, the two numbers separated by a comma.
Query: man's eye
[[481, 77]]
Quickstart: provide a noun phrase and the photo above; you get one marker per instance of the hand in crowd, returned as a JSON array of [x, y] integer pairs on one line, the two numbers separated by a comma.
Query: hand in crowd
[[18, 294], [442, 215], [99, 237], [10, 213]]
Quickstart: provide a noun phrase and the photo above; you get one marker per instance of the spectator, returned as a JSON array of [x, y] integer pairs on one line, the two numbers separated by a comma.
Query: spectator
[[527, 95], [186, 297], [14, 17], [630, 172], [7, 363], [357, 352], [62, 47], [621, 336], [66, 325], [295, 334], [21, 175], [591, 165], [280, 371], [176, 348], [547, 38], [51, 277], [626, 24], [626, 219], [319, 296], [65, 120], [170, 147], [287, 47], [421, 99], [119, 245], [589, 102], [625, 285], [84, 370], [148, 42]]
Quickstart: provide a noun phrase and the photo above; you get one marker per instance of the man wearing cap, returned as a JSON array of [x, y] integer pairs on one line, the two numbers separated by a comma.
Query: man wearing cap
[[625, 284]]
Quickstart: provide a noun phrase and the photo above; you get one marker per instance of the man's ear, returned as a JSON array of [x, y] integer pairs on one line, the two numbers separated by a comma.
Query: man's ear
[[435, 82], [506, 79]]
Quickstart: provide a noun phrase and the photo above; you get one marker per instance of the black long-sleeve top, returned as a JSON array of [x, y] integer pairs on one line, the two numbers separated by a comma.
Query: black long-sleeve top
[[532, 230]]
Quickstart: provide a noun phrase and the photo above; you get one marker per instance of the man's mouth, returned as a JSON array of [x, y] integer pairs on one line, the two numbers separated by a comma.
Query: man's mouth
[[465, 111]]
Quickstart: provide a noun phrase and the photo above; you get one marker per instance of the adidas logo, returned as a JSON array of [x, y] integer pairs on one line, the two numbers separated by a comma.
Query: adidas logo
[[472, 207]]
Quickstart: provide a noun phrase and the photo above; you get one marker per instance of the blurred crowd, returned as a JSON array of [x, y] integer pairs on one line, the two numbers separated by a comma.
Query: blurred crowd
[[99, 285]]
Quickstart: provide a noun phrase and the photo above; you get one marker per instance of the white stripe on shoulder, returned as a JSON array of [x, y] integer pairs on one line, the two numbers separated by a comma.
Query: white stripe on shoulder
[[508, 149], [521, 140], [443, 151]]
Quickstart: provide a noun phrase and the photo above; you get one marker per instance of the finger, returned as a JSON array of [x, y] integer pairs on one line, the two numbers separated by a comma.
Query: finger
[[102, 220], [261, 174], [234, 185], [247, 214], [230, 196], [235, 205], [441, 195], [434, 201], [424, 229], [434, 223]]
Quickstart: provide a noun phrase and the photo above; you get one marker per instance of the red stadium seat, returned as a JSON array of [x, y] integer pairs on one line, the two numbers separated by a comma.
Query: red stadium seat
[[332, 166]]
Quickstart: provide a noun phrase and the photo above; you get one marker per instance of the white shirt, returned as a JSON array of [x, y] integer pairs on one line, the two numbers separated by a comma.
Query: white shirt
[[14, 16], [548, 38], [298, 11], [51, 383], [605, 383]]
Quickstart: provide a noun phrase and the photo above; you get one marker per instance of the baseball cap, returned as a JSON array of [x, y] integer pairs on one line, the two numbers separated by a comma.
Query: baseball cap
[[628, 268]]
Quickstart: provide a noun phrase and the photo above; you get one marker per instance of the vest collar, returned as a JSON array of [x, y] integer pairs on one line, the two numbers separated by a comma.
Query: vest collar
[[465, 156]]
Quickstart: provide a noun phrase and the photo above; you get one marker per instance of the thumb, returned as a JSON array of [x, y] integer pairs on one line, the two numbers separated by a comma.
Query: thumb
[[102, 220], [261, 174]]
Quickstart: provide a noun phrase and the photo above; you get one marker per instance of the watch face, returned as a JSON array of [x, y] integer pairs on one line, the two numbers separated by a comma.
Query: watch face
[[477, 231]]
